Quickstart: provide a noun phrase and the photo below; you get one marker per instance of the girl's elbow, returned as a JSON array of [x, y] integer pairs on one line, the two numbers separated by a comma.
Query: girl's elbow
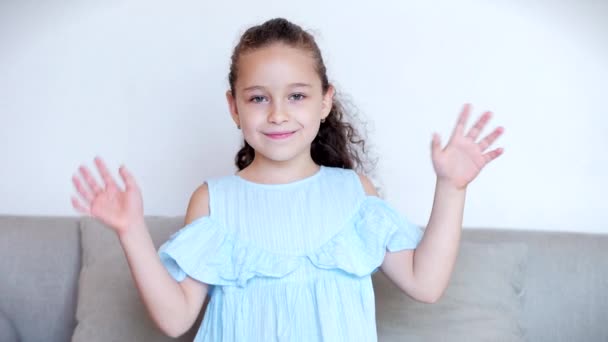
[[428, 297], [173, 333], [170, 330], [432, 299]]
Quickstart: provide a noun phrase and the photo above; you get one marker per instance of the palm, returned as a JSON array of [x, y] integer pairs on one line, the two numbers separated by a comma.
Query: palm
[[117, 208], [463, 158], [114, 207]]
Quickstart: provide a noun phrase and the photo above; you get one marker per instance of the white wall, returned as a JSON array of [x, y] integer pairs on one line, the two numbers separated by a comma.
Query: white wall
[[143, 83]]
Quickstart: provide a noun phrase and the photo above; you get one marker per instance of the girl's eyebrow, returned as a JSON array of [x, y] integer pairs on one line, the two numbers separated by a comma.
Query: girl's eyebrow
[[253, 88], [292, 85]]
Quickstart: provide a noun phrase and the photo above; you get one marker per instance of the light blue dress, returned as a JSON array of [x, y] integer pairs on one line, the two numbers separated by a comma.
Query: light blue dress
[[289, 262]]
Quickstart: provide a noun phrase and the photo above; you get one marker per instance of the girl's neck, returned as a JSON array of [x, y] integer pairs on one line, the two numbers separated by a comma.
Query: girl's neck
[[278, 172]]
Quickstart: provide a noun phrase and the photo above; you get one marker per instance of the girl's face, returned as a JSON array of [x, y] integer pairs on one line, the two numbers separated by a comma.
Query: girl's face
[[279, 102]]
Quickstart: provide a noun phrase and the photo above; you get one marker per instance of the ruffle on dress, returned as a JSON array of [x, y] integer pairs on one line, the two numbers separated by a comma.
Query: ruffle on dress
[[205, 251]]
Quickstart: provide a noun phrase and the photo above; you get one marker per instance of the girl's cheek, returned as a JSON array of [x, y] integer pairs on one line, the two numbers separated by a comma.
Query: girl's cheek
[[254, 108]]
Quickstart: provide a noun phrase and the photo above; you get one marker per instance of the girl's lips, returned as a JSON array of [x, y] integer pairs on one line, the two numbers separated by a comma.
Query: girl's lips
[[277, 136]]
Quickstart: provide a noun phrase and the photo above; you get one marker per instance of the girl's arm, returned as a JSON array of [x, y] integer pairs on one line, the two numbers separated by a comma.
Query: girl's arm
[[424, 273], [172, 306]]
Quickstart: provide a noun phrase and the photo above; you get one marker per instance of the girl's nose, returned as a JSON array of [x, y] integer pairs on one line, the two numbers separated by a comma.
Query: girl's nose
[[277, 114]]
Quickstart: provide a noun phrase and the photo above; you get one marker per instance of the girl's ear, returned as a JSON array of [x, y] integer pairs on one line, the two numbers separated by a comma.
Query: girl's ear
[[232, 106], [328, 100]]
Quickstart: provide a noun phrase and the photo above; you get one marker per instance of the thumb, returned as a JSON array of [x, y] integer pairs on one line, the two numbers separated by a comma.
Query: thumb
[[128, 178], [435, 144]]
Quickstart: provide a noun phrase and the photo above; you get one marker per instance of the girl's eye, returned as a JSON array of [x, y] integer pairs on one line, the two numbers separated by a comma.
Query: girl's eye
[[257, 99], [297, 97]]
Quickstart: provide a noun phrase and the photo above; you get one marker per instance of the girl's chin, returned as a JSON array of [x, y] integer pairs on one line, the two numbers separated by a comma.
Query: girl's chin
[[279, 156]]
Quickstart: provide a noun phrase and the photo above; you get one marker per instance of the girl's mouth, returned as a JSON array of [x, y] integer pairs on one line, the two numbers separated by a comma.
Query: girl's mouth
[[279, 135]]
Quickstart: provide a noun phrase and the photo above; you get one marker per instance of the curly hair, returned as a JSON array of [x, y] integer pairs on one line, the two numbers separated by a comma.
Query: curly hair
[[338, 143]]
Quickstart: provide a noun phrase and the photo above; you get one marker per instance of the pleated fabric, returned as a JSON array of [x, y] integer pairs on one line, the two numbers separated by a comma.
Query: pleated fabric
[[289, 262]]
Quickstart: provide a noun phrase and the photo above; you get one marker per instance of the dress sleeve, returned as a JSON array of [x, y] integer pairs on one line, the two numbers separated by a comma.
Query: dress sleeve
[[205, 251], [359, 249], [184, 252], [398, 231]]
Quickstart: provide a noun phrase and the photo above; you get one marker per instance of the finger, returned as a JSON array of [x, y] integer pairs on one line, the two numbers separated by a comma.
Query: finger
[[479, 125], [84, 193], [81, 208], [435, 144], [493, 154], [128, 178], [105, 174], [462, 121], [91, 182], [490, 138]]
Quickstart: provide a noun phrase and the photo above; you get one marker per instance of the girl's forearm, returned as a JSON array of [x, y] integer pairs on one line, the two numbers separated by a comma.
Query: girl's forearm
[[162, 295], [436, 253]]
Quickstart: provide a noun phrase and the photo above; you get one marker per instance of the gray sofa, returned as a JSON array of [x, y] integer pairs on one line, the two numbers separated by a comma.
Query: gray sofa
[[60, 276]]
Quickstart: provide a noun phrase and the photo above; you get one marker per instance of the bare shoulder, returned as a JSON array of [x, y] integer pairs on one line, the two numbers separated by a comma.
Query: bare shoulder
[[368, 186], [195, 291], [199, 204]]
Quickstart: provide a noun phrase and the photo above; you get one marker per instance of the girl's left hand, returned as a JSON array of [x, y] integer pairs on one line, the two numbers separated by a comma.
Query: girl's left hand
[[463, 158]]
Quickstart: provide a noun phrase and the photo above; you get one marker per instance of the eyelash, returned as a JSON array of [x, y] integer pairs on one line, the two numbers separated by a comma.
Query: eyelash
[[254, 98], [302, 96]]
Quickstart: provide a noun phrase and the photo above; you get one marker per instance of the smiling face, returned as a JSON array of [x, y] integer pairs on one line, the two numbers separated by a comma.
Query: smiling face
[[279, 102]]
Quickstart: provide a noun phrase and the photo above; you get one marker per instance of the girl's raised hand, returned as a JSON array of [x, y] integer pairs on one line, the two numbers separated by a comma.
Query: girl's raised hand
[[117, 208], [463, 158]]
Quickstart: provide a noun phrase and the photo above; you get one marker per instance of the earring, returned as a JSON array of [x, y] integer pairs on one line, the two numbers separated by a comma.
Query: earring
[[238, 126], [323, 120]]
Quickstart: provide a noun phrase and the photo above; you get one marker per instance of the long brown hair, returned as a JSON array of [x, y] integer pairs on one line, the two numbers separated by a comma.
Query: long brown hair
[[338, 143]]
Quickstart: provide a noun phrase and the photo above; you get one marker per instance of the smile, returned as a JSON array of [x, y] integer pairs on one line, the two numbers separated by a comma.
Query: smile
[[279, 135]]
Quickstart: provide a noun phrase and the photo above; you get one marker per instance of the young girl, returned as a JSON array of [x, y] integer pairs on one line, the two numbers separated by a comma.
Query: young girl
[[285, 248]]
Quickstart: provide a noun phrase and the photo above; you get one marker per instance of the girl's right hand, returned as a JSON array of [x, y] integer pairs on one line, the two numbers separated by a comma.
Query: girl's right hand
[[119, 209]]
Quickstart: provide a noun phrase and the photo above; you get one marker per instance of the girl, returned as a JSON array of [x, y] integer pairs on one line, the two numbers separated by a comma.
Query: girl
[[285, 248]]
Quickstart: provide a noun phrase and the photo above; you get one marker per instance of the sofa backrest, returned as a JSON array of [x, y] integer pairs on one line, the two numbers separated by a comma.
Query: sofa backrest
[[39, 267], [565, 283]]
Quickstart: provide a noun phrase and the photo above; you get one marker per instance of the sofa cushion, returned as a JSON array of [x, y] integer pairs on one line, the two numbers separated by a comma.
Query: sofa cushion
[[483, 301], [39, 275], [109, 306], [7, 330]]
